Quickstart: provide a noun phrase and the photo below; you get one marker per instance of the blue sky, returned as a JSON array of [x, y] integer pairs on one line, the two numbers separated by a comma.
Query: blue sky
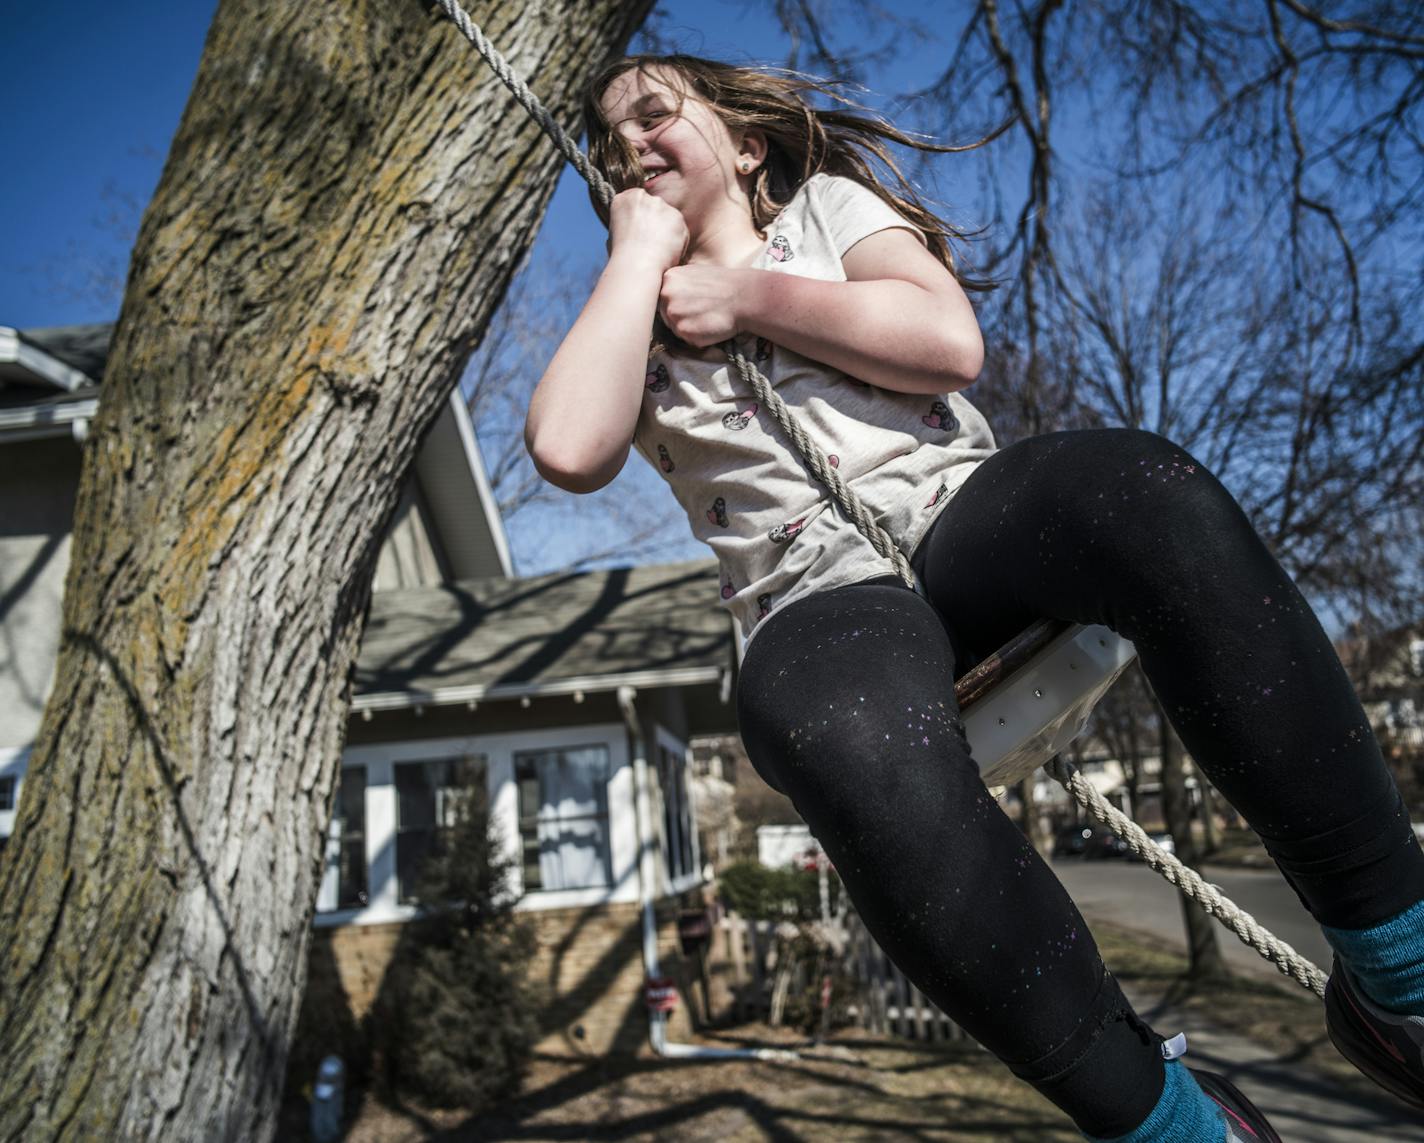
[[93, 94]]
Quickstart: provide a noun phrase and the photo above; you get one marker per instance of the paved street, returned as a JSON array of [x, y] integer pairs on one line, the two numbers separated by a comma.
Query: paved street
[[1132, 895], [1302, 1106]]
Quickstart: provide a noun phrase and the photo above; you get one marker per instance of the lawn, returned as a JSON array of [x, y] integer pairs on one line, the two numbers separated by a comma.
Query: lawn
[[854, 1086]]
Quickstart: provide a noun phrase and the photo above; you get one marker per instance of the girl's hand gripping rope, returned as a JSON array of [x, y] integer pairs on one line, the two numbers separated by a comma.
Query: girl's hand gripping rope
[[641, 225], [700, 304]]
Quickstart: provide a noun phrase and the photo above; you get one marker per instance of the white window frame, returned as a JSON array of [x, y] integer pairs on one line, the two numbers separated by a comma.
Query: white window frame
[[329, 888], [499, 750], [665, 740]]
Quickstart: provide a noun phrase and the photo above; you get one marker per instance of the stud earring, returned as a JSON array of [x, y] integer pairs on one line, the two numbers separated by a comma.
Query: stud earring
[[746, 167]]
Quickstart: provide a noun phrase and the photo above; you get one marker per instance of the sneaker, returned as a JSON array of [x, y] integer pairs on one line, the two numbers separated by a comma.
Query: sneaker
[[1387, 1047], [1244, 1122]]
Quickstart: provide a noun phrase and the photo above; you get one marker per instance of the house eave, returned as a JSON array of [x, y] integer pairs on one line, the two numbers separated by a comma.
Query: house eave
[[39, 365], [484, 491], [591, 684], [34, 422]]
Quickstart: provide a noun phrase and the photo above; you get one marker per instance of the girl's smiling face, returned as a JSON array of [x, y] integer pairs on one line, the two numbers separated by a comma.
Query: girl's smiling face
[[688, 156]]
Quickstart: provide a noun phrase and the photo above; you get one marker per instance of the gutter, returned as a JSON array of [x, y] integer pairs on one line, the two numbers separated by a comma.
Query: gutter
[[576, 687], [647, 873], [15, 350], [36, 422]]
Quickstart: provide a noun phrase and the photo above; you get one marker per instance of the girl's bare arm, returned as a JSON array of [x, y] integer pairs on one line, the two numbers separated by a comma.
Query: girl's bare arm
[[584, 409], [899, 321]]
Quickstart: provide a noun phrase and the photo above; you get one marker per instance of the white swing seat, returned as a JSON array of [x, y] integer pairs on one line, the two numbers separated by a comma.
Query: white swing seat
[[1030, 699]]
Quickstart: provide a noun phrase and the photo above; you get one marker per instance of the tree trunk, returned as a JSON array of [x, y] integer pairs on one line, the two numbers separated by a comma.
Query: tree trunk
[[1030, 824], [1132, 764], [1211, 839], [1205, 952], [346, 198]]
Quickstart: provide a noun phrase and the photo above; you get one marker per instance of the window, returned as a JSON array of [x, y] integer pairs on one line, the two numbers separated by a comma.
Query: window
[[426, 796], [7, 793], [344, 885], [563, 817], [677, 814]]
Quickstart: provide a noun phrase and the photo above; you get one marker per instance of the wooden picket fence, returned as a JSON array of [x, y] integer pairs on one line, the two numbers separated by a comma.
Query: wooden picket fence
[[883, 1001], [887, 1002]]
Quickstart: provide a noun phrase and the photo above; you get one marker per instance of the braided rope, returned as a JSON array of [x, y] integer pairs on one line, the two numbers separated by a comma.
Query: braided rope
[[821, 468], [850, 503], [528, 100], [1188, 882]]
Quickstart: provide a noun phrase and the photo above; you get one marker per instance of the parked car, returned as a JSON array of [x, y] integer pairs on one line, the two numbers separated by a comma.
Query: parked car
[[1070, 841], [1089, 842], [1104, 843]]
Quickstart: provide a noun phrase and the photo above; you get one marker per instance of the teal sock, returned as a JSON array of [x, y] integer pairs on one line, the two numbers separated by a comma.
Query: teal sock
[[1387, 960], [1184, 1114]]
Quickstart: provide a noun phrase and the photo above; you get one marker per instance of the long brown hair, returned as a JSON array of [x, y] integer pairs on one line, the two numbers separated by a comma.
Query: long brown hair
[[802, 140]]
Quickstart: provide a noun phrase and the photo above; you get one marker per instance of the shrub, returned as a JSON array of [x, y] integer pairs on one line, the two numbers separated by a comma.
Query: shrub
[[454, 1024], [803, 946], [763, 894]]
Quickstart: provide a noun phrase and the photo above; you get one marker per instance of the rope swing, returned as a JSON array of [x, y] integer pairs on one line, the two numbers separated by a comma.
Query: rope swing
[[1012, 663]]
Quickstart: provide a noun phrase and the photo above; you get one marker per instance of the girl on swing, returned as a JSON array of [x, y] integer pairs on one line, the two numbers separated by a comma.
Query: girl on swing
[[744, 213]]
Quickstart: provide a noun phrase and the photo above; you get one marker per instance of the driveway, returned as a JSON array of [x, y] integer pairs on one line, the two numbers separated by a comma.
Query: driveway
[[1303, 1106], [1132, 895]]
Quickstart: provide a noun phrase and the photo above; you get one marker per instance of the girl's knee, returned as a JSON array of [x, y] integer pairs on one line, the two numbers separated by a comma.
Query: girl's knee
[[1139, 489]]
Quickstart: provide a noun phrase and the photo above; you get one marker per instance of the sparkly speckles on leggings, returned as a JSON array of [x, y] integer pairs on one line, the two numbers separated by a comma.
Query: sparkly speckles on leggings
[[846, 704]]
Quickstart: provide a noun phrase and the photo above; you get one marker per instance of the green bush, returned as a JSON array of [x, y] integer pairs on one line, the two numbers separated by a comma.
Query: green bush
[[454, 1024], [761, 894], [757, 893]]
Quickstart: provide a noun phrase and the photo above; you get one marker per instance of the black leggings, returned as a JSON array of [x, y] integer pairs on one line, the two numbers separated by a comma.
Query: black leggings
[[846, 704]]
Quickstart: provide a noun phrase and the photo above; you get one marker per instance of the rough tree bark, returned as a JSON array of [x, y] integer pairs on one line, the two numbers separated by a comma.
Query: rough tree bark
[[346, 197]]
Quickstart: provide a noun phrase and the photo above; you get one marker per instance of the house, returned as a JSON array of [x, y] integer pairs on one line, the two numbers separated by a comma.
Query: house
[[1388, 672], [572, 697]]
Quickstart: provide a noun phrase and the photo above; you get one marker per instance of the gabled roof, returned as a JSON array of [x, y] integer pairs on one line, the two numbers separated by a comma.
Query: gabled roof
[[554, 634], [50, 386], [83, 348]]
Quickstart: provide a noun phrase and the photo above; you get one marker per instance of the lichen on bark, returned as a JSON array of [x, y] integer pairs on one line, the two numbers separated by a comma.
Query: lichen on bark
[[342, 208]]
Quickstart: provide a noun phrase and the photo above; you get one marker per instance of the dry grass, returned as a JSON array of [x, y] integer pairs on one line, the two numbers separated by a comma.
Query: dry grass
[[855, 1086], [1281, 1017]]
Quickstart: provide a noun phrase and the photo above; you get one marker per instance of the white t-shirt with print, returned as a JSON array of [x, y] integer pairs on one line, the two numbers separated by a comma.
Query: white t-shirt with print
[[773, 527]]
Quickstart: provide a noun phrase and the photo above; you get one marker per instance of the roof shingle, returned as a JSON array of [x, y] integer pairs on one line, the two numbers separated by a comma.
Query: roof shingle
[[522, 635]]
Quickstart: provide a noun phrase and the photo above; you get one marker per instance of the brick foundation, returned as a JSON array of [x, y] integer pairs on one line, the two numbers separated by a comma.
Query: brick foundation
[[587, 975]]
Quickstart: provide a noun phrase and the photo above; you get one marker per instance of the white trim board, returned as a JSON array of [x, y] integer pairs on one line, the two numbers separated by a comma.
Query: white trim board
[[14, 350], [582, 684]]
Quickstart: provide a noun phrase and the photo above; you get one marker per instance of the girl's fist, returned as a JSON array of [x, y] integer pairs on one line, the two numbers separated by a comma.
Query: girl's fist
[[700, 304], [643, 224]]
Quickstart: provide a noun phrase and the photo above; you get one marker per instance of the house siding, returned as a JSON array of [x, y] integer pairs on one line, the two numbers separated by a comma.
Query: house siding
[[38, 483], [410, 554]]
